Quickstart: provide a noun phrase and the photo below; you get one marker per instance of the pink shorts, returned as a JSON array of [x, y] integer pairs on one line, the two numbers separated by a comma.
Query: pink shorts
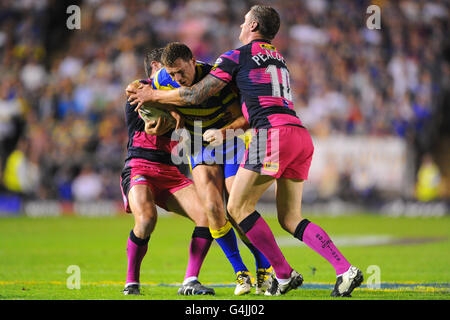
[[282, 152], [162, 179]]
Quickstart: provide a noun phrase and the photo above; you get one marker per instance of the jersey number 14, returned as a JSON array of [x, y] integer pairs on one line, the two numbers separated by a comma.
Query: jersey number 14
[[277, 84]]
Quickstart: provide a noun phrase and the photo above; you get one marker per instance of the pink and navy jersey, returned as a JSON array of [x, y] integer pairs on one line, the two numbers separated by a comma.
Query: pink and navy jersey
[[142, 145], [261, 75]]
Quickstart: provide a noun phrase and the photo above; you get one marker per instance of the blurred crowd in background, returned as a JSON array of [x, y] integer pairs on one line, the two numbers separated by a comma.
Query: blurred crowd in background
[[62, 130]]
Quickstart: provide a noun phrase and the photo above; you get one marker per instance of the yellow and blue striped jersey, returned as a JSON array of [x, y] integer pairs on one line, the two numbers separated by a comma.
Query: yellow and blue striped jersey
[[215, 112]]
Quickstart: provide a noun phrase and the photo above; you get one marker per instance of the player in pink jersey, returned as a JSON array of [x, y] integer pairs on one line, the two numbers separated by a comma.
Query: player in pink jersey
[[281, 148], [150, 178]]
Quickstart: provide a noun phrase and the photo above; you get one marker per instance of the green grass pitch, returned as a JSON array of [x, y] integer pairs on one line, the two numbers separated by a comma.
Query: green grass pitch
[[412, 255]]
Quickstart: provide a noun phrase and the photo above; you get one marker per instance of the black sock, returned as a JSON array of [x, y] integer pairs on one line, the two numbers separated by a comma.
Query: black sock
[[298, 233], [138, 241], [202, 232], [249, 221]]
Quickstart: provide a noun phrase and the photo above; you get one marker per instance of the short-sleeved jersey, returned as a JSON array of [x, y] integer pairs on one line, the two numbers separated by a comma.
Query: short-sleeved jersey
[[214, 113], [145, 146], [262, 77]]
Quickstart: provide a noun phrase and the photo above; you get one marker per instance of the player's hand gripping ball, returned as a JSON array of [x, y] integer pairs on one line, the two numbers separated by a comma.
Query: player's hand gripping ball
[[149, 113], [153, 114]]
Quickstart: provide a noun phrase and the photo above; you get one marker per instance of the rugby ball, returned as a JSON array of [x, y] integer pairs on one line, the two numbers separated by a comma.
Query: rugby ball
[[153, 114]]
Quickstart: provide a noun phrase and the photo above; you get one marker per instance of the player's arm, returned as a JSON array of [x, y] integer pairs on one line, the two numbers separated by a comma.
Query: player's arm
[[150, 126], [216, 137], [239, 124], [183, 96], [136, 86], [157, 128], [178, 118], [162, 125]]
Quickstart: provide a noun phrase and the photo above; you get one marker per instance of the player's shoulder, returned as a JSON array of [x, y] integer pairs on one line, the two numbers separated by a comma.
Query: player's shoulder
[[203, 68], [233, 55], [236, 50], [202, 63]]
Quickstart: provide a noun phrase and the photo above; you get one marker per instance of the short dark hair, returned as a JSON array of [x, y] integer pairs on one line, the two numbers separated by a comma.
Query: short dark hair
[[268, 20], [174, 51], [152, 55]]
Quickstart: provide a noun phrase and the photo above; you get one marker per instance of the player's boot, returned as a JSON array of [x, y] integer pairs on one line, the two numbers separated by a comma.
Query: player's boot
[[276, 289], [263, 280], [132, 289], [347, 282], [194, 288], [243, 283]]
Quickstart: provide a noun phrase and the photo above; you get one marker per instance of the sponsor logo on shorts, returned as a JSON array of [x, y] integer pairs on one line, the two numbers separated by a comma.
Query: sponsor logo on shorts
[[269, 166], [139, 178]]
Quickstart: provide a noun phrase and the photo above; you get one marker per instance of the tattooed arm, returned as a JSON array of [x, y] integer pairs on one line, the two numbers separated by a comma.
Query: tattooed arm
[[135, 87], [201, 91], [196, 94]]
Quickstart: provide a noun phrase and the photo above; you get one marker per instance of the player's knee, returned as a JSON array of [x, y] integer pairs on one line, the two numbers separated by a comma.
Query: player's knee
[[146, 223], [200, 218], [145, 218], [288, 223], [214, 208], [201, 221], [283, 223], [237, 210], [232, 208]]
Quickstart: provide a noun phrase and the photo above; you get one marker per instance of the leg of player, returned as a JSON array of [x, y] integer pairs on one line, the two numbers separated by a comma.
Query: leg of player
[[209, 184], [247, 188], [186, 202], [142, 206], [264, 270], [289, 199]]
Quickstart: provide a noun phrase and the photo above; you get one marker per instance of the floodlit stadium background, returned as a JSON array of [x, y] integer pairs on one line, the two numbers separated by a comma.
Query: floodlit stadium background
[[375, 101]]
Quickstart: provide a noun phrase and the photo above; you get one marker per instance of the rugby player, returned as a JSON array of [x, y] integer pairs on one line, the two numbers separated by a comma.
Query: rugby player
[[213, 168], [262, 77], [149, 178]]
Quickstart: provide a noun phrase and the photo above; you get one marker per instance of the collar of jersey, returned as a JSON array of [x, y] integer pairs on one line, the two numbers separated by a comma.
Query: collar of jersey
[[197, 72], [261, 40]]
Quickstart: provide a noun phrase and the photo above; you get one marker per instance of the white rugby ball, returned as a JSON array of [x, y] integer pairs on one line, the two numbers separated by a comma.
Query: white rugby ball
[[153, 114]]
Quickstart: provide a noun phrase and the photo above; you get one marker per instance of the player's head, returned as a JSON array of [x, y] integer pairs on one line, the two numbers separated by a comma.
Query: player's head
[[152, 61], [180, 63], [260, 22]]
